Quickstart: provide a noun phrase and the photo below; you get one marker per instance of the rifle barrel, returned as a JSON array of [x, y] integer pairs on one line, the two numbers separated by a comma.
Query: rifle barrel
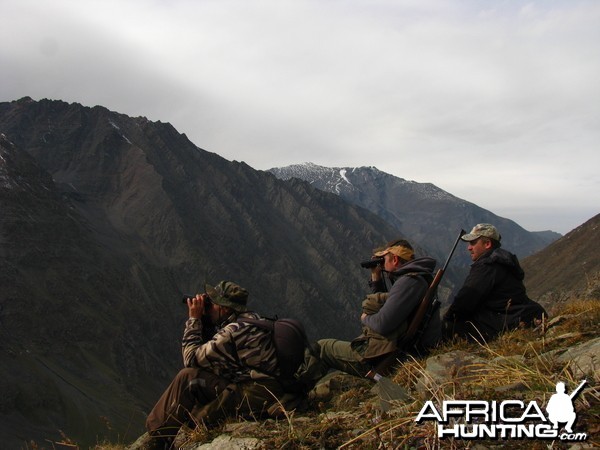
[[461, 234]]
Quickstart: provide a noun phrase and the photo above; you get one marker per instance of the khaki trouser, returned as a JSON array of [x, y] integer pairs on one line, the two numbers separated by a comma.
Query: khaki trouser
[[339, 355], [197, 396]]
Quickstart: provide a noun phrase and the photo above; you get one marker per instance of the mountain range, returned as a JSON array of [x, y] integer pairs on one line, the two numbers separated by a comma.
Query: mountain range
[[107, 219], [419, 210], [425, 214]]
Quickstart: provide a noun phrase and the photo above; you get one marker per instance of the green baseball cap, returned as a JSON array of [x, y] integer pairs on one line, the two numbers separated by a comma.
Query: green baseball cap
[[482, 230]]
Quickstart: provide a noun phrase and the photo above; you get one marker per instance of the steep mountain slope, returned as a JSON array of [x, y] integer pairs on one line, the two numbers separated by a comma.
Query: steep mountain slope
[[571, 264], [423, 212], [66, 336], [105, 220]]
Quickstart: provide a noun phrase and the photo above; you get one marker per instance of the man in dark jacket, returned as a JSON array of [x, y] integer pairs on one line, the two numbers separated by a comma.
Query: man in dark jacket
[[385, 315], [493, 297]]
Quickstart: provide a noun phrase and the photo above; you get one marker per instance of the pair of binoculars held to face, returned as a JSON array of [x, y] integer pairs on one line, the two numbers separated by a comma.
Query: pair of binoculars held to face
[[207, 300], [373, 262]]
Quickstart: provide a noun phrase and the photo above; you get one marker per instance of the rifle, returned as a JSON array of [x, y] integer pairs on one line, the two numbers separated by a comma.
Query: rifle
[[430, 301], [419, 320]]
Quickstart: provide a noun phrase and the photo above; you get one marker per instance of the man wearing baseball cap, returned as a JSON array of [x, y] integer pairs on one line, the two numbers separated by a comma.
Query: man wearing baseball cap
[[385, 315], [493, 297]]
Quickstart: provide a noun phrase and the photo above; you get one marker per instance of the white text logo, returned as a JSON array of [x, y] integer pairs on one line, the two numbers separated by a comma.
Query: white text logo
[[509, 419]]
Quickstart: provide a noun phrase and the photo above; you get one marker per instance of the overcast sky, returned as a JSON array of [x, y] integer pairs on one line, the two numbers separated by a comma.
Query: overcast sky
[[496, 102]]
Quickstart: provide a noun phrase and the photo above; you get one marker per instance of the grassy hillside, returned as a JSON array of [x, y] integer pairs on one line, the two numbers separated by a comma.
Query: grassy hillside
[[345, 412]]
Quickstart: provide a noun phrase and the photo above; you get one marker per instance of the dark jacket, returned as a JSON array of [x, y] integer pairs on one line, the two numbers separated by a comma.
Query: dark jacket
[[410, 282], [493, 295]]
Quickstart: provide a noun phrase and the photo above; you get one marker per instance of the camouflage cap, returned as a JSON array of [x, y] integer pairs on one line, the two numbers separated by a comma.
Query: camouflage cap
[[229, 294], [482, 230]]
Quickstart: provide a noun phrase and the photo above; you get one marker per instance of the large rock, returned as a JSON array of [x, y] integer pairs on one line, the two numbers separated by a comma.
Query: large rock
[[447, 369], [583, 359]]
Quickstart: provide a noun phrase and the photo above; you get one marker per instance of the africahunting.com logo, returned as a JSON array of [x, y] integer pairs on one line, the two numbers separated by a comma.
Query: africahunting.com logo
[[509, 419]]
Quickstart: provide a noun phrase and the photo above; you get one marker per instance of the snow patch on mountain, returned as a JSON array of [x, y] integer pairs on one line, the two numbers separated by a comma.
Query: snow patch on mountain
[[116, 127], [346, 180]]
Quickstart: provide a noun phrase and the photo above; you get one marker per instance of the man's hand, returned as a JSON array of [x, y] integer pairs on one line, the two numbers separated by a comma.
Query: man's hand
[[376, 272], [196, 306]]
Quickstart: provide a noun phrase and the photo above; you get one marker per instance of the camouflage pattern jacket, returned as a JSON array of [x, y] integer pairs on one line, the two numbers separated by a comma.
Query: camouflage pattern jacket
[[238, 351]]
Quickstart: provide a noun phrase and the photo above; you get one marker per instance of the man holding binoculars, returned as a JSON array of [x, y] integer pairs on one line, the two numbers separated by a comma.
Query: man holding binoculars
[[385, 315], [231, 371]]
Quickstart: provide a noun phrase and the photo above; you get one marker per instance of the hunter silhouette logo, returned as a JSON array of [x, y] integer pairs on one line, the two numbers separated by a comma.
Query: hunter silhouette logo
[[560, 406], [509, 419]]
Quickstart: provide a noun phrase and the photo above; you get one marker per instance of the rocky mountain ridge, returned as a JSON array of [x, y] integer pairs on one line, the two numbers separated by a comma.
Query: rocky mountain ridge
[[421, 212], [105, 220], [418, 209]]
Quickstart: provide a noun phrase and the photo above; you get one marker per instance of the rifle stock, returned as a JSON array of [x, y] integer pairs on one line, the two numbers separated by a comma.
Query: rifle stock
[[423, 306]]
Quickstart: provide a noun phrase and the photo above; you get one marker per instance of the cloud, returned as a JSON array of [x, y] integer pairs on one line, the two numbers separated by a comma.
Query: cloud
[[463, 94]]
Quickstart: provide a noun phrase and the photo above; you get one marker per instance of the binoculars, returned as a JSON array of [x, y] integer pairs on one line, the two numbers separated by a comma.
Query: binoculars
[[370, 263], [207, 301]]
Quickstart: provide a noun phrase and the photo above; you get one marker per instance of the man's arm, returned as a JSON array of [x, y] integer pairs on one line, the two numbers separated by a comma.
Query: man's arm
[[192, 334], [377, 282], [403, 298], [215, 354], [192, 339], [477, 286]]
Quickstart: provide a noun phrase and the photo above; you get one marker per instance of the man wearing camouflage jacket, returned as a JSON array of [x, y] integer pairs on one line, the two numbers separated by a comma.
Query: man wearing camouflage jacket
[[232, 373]]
